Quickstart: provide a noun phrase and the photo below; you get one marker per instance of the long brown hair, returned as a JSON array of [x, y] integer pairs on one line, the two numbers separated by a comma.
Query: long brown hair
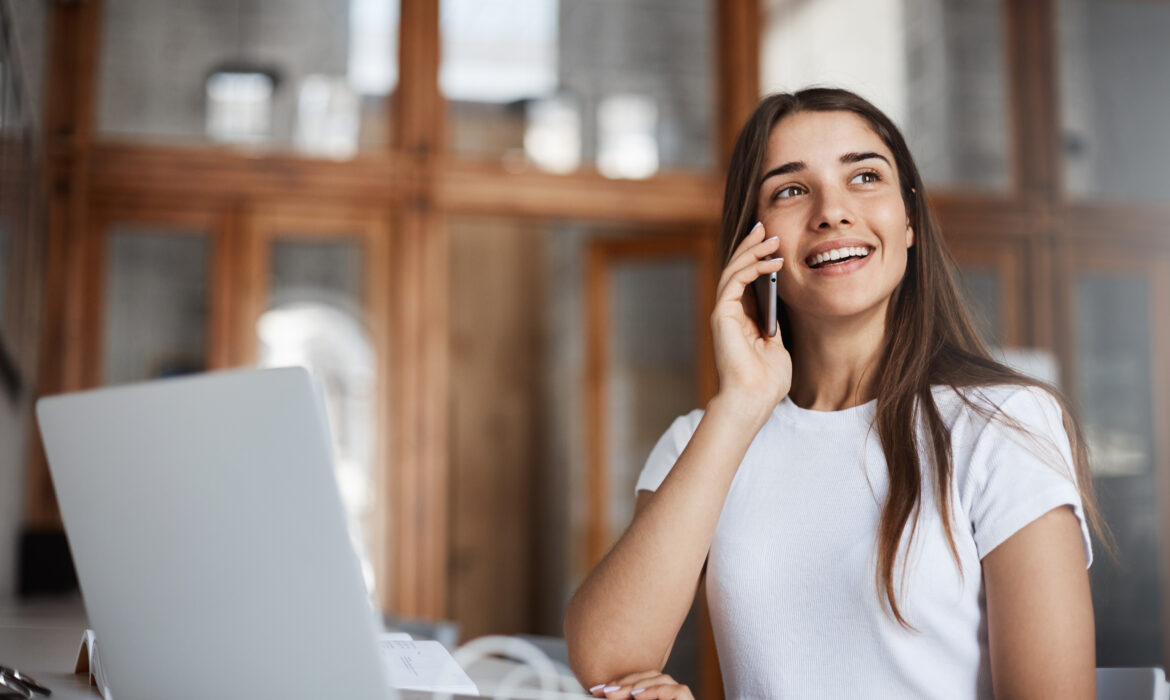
[[929, 339]]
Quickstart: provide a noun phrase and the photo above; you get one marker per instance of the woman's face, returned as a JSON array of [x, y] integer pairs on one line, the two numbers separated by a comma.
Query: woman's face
[[830, 191]]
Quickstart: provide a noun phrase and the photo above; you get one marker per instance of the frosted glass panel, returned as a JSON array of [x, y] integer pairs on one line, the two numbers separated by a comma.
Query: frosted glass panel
[[626, 85], [307, 75], [936, 67], [156, 305], [328, 270], [1113, 344], [980, 286], [651, 378], [1114, 104], [1116, 404]]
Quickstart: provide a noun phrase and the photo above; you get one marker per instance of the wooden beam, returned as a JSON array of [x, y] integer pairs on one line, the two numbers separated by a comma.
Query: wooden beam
[[419, 484], [1144, 224], [68, 129], [737, 75], [669, 197], [178, 176], [597, 326], [1032, 75], [419, 108]]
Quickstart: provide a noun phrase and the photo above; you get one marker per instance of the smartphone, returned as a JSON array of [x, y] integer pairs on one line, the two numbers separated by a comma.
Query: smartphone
[[765, 286]]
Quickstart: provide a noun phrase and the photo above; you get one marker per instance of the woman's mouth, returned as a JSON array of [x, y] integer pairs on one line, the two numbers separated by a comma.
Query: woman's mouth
[[838, 257]]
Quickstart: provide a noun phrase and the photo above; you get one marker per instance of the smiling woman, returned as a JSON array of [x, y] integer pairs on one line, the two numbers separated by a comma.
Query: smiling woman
[[844, 178], [875, 502]]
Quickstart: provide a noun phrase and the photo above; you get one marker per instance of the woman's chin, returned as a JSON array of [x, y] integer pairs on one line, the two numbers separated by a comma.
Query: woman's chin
[[839, 310]]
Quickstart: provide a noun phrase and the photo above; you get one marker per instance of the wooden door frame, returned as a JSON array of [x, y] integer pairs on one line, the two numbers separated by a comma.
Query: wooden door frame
[[266, 222], [179, 222], [601, 255]]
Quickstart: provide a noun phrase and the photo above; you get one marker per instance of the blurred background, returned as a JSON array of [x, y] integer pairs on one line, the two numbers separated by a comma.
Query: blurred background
[[489, 226]]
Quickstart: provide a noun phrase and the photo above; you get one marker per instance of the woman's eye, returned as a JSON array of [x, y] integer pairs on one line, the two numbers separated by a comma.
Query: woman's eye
[[785, 192], [867, 177]]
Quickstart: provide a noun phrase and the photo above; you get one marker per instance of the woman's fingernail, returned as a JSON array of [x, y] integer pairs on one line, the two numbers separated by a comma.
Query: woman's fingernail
[[758, 224], [596, 687], [639, 690], [611, 688]]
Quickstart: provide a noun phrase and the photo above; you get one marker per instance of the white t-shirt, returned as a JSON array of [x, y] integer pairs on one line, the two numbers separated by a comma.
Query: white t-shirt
[[791, 570]]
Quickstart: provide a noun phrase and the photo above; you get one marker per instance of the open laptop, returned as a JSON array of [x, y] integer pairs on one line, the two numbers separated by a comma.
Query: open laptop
[[209, 539]]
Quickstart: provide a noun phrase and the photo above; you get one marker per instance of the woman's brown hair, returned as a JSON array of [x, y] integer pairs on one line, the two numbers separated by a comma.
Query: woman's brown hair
[[929, 341]]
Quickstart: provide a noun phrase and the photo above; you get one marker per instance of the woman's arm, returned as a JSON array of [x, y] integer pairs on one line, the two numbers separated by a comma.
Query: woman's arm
[[1040, 614], [626, 614]]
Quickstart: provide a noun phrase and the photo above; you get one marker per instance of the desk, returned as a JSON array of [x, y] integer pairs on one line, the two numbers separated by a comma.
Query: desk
[[42, 639]]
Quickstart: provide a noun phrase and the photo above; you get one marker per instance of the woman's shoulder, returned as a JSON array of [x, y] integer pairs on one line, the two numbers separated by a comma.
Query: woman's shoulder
[[686, 424], [667, 450], [678, 434], [983, 403]]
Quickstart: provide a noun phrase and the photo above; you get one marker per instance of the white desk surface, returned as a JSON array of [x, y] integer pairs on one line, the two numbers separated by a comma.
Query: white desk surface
[[42, 639]]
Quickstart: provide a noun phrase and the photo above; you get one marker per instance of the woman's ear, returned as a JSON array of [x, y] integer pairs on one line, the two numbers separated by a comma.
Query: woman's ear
[[910, 226]]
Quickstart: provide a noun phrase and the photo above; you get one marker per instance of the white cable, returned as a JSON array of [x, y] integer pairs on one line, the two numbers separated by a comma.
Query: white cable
[[533, 663]]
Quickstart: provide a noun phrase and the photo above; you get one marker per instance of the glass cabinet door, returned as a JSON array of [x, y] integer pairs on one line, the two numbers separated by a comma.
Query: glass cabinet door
[[651, 368], [156, 304], [646, 361], [313, 300], [982, 288], [1111, 56], [1118, 340], [989, 280]]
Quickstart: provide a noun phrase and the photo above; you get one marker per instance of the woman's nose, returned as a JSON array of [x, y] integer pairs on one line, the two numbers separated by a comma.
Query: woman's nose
[[832, 211]]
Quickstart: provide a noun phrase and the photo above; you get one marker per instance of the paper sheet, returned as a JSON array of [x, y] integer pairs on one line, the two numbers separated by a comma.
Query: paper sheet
[[423, 665]]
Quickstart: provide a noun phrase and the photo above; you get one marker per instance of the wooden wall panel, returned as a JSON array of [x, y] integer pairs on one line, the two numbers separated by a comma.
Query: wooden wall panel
[[68, 132], [495, 277], [418, 488]]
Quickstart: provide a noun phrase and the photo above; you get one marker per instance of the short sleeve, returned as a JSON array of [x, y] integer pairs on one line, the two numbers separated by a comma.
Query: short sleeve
[[1015, 476], [667, 451]]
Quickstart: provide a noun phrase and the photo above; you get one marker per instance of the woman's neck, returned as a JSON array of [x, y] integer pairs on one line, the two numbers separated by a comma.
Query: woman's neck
[[835, 360]]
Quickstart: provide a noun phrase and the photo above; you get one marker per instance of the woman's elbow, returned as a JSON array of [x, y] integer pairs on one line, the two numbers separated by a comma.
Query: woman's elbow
[[583, 657], [600, 656]]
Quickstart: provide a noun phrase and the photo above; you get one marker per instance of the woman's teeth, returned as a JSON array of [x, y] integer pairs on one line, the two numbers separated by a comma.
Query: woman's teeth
[[837, 255]]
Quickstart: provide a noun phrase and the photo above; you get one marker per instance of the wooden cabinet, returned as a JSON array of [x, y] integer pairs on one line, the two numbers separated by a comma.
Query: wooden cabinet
[[1041, 270]]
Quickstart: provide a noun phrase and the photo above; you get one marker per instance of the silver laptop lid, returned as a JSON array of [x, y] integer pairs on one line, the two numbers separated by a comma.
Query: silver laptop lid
[[209, 538]]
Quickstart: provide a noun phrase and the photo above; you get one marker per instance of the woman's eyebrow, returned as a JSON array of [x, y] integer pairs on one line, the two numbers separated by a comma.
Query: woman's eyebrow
[[858, 157], [793, 167], [798, 165]]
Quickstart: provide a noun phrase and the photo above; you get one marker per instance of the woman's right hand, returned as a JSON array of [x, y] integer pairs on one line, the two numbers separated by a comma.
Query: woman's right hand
[[649, 685], [751, 367]]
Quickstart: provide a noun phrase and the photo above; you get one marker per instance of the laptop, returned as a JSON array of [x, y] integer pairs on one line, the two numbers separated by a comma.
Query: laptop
[[210, 541]]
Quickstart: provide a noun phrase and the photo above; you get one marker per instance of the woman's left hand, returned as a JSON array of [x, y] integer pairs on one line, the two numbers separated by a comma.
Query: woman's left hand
[[648, 685]]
